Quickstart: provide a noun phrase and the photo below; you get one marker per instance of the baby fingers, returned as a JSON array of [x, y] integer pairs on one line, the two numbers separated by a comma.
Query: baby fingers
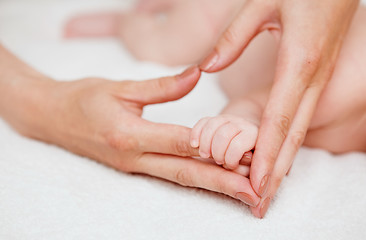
[[197, 131], [221, 141], [207, 133], [238, 149]]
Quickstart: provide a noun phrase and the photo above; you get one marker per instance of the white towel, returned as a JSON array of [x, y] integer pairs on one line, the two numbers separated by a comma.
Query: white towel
[[48, 193]]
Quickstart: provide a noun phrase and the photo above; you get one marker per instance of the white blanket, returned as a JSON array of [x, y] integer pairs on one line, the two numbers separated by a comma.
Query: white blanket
[[48, 193]]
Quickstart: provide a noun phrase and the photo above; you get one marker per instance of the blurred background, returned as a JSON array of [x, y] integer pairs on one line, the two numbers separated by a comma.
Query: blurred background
[[49, 193]]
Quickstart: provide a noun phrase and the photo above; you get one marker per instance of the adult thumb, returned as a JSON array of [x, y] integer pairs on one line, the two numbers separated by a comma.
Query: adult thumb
[[162, 90]]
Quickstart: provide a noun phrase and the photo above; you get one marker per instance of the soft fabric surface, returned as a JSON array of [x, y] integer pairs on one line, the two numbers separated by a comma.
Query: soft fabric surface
[[48, 193]]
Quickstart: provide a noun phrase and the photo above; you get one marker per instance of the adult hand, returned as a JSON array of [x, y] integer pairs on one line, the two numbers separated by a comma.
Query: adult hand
[[310, 35], [101, 119]]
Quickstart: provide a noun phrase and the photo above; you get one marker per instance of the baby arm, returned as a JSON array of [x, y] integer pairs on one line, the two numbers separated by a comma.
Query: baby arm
[[230, 137]]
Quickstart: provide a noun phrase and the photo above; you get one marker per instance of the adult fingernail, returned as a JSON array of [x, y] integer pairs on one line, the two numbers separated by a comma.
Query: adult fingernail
[[248, 155], [246, 198], [264, 207], [188, 72], [263, 186], [209, 61]]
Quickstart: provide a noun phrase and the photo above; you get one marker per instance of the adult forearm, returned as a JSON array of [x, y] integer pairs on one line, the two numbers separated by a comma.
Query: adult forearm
[[23, 94]]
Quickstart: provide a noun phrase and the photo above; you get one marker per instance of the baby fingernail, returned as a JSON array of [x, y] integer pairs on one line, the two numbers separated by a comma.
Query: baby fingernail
[[204, 155], [246, 198], [209, 62], [264, 207], [194, 143], [263, 186]]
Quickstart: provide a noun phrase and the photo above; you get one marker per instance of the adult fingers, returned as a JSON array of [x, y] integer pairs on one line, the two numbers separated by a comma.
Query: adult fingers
[[289, 149], [165, 139], [248, 23], [159, 90], [247, 158], [295, 71], [93, 25], [194, 173]]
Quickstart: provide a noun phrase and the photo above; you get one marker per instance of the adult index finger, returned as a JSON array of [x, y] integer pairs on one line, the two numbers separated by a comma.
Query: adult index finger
[[293, 76], [166, 139], [290, 147], [247, 24]]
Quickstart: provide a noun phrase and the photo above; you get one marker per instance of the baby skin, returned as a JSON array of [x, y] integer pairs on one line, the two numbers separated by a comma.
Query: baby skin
[[229, 137], [338, 125]]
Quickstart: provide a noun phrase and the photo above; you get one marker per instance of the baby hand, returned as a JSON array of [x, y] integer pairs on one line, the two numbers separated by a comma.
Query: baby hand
[[227, 138]]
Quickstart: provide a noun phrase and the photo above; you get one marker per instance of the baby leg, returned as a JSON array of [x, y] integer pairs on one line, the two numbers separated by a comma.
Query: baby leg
[[182, 32]]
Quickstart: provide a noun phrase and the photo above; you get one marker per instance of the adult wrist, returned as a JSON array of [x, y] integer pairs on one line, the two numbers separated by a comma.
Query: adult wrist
[[24, 103]]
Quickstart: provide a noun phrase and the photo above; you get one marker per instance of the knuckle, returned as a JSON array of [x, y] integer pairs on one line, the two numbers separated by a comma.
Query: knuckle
[[125, 166], [297, 139], [182, 148], [272, 156], [231, 35], [282, 123], [184, 178]]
